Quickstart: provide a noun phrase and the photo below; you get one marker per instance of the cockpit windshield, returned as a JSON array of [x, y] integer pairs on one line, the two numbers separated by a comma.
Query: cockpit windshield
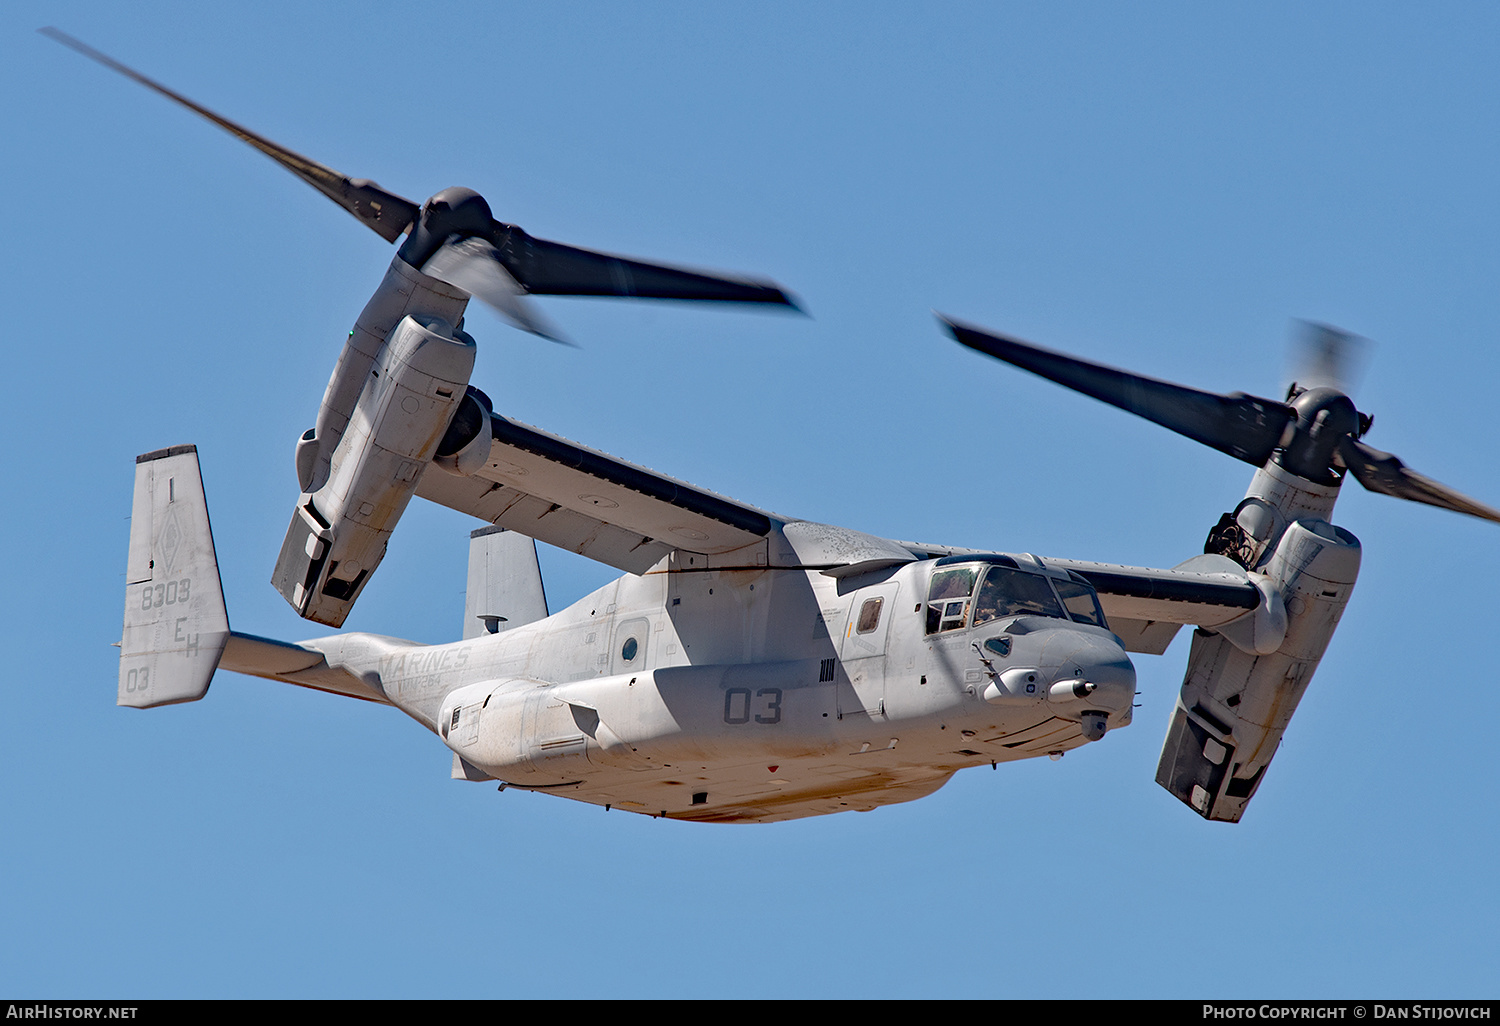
[[991, 591], [1007, 592], [1082, 601]]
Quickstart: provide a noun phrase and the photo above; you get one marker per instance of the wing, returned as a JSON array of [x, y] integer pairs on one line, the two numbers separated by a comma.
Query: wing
[[1146, 606], [629, 517], [589, 502]]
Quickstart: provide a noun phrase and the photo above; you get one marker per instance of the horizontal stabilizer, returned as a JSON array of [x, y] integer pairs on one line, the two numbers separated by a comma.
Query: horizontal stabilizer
[[175, 622]]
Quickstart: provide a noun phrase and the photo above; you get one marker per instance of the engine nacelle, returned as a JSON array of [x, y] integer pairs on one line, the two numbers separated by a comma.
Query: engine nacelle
[[1236, 700], [405, 290], [465, 447], [416, 384]]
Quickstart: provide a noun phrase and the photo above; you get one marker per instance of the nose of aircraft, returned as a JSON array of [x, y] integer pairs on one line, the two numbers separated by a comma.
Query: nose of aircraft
[[1098, 660]]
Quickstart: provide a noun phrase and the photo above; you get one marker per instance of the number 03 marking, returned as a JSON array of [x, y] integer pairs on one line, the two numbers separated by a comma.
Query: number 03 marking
[[739, 706]]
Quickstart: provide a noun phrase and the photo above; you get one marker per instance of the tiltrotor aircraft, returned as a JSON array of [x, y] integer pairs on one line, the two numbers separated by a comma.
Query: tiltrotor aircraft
[[748, 667]]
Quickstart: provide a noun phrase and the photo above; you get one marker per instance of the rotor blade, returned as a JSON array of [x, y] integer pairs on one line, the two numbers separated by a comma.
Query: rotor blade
[[552, 269], [1246, 427], [387, 214], [1381, 472], [1327, 357], [474, 266]]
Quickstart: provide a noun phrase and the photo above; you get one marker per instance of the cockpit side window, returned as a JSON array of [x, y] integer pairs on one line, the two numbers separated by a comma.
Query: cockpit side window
[[1008, 592], [948, 598], [1082, 602]]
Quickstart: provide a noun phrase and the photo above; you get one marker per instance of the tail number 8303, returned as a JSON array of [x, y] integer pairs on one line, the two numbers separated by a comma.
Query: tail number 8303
[[169, 594]]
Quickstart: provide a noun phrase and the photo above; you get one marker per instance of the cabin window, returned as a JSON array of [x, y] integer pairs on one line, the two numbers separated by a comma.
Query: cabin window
[[632, 641], [869, 615]]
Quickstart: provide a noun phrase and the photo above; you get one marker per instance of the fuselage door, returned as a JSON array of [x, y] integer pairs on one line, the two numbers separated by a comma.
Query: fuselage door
[[869, 621], [861, 685]]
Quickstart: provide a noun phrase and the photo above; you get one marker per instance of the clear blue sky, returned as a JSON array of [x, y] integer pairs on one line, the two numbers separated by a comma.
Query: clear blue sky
[[1159, 186]]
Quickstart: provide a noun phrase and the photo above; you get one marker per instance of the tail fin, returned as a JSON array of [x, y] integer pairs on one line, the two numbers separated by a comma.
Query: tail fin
[[505, 583], [176, 625]]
